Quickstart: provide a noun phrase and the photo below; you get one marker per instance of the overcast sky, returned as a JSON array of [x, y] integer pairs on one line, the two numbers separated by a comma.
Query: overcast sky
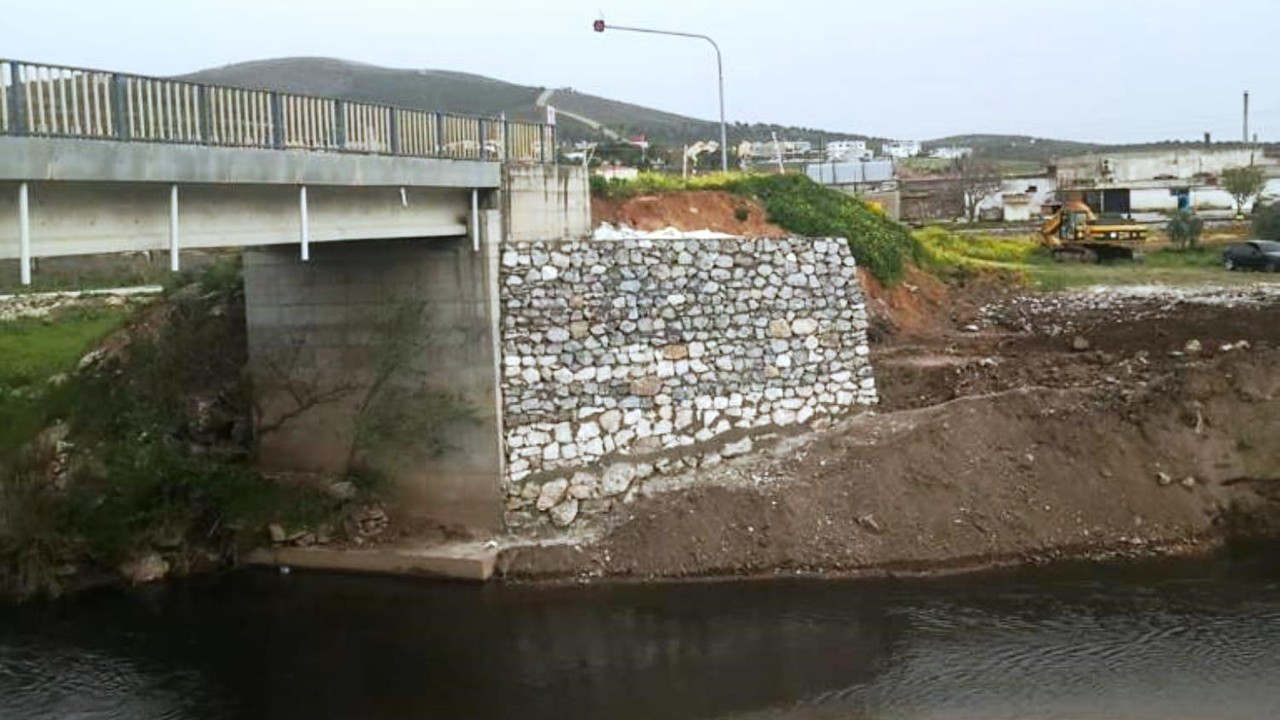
[[1102, 70]]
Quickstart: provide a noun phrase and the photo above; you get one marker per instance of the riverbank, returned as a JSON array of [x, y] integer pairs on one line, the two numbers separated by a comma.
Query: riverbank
[[1015, 428]]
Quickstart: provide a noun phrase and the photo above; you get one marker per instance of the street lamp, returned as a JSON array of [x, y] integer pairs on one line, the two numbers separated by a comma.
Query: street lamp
[[599, 27]]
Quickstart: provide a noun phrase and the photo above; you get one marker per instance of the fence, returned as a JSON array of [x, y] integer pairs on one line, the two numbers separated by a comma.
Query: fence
[[57, 101]]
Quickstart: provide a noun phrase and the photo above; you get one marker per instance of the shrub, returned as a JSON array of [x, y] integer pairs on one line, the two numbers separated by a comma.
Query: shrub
[[1266, 221], [1184, 229]]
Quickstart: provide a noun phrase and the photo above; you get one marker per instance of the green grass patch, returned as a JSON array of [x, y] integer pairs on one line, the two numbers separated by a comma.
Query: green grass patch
[[944, 250], [882, 246], [32, 351]]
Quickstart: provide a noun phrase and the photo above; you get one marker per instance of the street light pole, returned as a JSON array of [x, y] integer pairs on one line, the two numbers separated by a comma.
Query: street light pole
[[599, 26]]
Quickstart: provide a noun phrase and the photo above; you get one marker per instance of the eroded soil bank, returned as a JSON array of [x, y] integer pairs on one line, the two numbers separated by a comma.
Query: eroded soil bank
[[1014, 428]]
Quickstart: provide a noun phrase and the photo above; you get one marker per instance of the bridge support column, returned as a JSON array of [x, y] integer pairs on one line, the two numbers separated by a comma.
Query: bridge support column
[[304, 224], [174, 263], [24, 234]]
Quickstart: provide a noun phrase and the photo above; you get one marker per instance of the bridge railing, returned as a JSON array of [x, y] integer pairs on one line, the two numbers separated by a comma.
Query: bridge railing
[[60, 101]]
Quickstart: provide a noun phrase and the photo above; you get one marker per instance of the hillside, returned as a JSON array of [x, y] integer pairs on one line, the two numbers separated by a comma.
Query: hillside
[[468, 93]]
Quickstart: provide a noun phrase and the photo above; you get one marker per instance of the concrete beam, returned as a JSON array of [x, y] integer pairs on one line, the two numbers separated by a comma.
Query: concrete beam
[[86, 218], [64, 159]]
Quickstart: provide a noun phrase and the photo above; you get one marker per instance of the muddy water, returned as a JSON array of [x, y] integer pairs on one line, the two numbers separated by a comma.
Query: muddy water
[[1183, 640]]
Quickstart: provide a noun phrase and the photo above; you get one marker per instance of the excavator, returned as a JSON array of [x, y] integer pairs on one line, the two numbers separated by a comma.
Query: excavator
[[1073, 232]]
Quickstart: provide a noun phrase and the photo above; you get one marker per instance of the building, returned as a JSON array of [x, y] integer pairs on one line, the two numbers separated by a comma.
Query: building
[[769, 149], [950, 153], [901, 149], [1160, 180], [846, 150]]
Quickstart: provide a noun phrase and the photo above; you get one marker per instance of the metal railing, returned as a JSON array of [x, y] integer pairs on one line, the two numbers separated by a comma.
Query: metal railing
[[59, 101]]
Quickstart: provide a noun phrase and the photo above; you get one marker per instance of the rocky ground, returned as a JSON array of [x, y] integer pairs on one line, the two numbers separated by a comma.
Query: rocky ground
[[1014, 427]]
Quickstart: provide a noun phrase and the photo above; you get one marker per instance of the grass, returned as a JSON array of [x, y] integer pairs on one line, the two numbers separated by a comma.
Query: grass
[[32, 351], [1026, 260]]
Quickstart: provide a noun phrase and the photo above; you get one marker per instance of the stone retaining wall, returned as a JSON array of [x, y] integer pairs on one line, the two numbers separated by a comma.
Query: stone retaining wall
[[622, 358]]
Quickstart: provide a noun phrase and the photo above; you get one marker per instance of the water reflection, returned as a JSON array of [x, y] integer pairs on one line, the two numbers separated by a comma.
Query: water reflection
[[1195, 640]]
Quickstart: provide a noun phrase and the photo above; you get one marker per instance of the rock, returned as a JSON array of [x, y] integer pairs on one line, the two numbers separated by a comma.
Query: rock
[[804, 326], [676, 352], [617, 478], [971, 328], [779, 329], [646, 386], [144, 569], [736, 448], [1080, 343], [1192, 347], [1188, 482], [342, 490], [611, 421], [868, 521], [1163, 478], [552, 493], [277, 533], [557, 335], [563, 515]]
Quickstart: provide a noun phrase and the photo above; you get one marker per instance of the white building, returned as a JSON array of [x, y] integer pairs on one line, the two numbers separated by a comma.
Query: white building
[[847, 150], [951, 153], [1160, 180], [1020, 199], [769, 149], [901, 149]]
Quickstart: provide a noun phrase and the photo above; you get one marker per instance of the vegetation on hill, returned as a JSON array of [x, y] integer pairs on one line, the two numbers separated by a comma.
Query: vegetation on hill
[[881, 245]]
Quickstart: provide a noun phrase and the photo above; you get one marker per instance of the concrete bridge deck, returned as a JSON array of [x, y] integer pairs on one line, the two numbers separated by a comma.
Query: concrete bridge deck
[[97, 162]]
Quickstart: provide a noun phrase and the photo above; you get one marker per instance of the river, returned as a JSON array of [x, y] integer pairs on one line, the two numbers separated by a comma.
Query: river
[[1185, 639]]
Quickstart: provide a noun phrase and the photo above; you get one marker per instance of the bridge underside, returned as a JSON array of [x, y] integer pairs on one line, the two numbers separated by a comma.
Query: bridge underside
[[80, 218]]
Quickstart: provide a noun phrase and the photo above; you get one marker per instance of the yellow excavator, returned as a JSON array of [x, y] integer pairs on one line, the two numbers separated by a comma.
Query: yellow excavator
[[1073, 232]]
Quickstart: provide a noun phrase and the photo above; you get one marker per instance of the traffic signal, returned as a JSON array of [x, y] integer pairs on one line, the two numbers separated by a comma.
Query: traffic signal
[[598, 26]]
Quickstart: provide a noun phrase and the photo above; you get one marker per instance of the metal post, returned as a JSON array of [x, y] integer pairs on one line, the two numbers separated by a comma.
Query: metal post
[[277, 121], [393, 131], [600, 26], [173, 228], [340, 124], [24, 234], [119, 106], [17, 123], [304, 229], [205, 116]]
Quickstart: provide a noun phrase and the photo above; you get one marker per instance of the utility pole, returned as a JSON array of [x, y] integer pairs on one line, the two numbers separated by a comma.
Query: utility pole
[[599, 27], [1246, 117]]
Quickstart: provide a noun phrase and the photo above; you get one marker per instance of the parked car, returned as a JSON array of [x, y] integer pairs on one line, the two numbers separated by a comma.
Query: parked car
[[1252, 255]]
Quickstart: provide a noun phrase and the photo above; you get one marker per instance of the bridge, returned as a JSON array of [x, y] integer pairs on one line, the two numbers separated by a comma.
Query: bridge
[[371, 240], [94, 161]]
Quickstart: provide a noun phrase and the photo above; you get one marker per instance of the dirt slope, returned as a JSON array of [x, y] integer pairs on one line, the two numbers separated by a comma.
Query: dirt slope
[[702, 210]]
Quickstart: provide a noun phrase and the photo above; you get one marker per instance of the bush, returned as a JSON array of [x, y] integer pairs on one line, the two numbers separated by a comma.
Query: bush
[[1266, 221], [1184, 229]]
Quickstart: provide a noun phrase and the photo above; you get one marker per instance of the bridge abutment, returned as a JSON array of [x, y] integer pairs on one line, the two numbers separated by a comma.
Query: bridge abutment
[[378, 357]]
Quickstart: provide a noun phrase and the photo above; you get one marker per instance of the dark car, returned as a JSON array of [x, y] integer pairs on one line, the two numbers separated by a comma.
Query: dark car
[[1252, 255]]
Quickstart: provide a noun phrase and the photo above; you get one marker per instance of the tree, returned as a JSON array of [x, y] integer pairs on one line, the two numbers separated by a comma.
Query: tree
[[1184, 229], [1243, 183], [1266, 221], [976, 180]]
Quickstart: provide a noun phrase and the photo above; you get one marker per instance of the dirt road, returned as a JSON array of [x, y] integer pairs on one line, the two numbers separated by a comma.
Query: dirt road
[[1014, 427]]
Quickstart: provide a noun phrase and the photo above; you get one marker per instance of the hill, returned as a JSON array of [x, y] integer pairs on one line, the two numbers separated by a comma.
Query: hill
[[467, 93]]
